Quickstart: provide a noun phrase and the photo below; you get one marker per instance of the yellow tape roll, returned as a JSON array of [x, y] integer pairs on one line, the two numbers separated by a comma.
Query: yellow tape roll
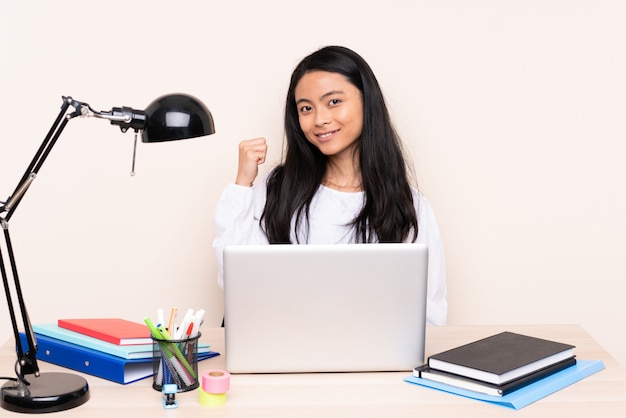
[[210, 399]]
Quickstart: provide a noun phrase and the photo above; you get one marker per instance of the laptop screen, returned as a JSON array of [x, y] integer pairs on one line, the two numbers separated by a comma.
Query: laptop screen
[[324, 308]]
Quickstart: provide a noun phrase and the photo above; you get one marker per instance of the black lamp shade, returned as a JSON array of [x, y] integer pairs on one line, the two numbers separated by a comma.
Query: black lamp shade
[[176, 116]]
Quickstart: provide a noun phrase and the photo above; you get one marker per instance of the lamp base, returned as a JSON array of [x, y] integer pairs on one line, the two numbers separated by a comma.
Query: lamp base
[[50, 392]]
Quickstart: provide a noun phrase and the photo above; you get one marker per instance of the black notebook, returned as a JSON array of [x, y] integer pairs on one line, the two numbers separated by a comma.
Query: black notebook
[[426, 372], [501, 358]]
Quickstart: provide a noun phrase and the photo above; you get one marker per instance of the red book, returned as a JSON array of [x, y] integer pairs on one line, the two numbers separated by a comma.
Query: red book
[[114, 330]]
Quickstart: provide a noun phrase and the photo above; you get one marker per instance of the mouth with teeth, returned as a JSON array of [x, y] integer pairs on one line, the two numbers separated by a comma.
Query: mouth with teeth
[[326, 135]]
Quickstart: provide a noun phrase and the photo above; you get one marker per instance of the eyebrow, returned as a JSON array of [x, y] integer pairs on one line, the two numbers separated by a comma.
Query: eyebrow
[[330, 93]]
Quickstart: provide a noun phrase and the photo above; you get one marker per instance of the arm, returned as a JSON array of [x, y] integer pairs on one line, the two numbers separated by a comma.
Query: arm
[[240, 206], [429, 234]]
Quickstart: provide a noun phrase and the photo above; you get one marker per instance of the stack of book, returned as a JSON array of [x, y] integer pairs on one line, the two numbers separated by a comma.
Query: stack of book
[[110, 348], [501, 367]]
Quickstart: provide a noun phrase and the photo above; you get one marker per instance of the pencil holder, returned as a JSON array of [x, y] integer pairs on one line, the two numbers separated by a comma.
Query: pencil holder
[[175, 361]]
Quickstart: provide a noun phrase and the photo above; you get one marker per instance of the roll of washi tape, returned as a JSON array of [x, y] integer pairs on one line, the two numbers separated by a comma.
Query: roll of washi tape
[[216, 382], [211, 399]]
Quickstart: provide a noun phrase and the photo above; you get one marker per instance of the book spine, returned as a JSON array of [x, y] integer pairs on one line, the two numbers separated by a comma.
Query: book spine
[[80, 359], [528, 394], [89, 342], [133, 352], [540, 374]]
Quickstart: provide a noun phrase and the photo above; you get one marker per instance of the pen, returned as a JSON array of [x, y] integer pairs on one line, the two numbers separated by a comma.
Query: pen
[[153, 329], [176, 352], [191, 346], [180, 332], [160, 317], [170, 327], [178, 372], [162, 374], [197, 320]]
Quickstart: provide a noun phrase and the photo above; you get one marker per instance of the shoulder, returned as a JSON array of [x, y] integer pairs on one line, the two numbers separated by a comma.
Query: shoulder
[[422, 206], [419, 198]]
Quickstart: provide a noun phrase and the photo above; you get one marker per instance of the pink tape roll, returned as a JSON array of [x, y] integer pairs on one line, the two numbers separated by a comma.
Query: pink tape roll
[[216, 381]]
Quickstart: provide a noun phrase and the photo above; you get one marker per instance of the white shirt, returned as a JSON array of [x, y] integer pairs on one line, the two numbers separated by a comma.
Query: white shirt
[[237, 223]]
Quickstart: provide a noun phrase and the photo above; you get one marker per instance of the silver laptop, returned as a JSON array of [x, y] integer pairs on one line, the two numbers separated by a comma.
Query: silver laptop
[[324, 308]]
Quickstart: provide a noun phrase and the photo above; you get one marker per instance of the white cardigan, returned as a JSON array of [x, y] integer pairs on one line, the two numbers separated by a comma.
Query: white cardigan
[[237, 223]]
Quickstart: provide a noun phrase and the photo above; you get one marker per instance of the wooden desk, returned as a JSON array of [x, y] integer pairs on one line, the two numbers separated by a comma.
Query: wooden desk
[[357, 394]]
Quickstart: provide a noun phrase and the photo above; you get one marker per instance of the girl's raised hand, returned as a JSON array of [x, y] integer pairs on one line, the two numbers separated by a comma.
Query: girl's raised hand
[[252, 153]]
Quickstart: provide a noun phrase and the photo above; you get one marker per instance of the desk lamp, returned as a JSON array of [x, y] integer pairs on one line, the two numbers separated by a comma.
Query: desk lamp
[[170, 117]]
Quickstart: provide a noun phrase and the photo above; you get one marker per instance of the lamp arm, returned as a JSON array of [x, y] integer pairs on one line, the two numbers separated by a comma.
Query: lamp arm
[[26, 358], [125, 118], [37, 161]]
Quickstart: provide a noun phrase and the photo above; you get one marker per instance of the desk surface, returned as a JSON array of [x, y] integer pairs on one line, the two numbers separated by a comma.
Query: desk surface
[[357, 394]]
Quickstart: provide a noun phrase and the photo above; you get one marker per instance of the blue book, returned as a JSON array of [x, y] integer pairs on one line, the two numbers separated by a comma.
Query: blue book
[[526, 395], [93, 362], [142, 351]]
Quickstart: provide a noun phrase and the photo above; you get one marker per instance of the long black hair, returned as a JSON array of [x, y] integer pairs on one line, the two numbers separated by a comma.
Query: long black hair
[[388, 213]]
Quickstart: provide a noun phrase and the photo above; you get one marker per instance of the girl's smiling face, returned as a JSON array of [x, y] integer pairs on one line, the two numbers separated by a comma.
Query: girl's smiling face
[[330, 111]]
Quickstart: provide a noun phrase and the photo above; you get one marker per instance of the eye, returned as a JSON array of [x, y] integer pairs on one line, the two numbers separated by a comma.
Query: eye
[[305, 109], [334, 102]]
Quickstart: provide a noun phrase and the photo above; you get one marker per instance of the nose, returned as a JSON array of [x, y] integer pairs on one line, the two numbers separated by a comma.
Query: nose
[[322, 117]]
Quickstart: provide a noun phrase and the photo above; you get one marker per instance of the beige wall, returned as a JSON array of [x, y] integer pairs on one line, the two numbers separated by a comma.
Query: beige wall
[[513, 110]]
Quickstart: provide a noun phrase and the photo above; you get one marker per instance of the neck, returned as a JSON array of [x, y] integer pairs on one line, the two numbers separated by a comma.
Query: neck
[[343, 177], [354, 187]]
